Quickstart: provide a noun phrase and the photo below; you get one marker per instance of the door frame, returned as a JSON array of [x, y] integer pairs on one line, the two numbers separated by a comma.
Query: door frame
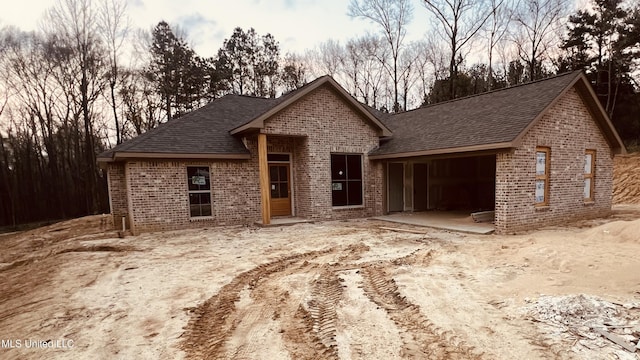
[[426, 184], [291, 171], [404, 173]]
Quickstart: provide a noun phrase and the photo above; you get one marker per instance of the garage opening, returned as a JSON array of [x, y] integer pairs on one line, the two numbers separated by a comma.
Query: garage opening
[[463, 183]]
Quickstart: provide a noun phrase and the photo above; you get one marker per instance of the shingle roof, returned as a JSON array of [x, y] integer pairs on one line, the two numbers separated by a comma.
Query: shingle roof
[[496, 117], [491, 120], [209, 131], [203, 131]]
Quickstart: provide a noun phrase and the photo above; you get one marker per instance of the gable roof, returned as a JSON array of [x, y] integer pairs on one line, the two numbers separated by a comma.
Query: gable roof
[[208, 132], [490, 121], [284, 101]]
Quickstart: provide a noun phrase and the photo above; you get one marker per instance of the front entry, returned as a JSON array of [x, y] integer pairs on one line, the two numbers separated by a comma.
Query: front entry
[[280, 189]]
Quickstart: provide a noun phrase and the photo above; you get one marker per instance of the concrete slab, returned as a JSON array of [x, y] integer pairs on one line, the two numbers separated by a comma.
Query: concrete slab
[[446, 220], [284, 221]]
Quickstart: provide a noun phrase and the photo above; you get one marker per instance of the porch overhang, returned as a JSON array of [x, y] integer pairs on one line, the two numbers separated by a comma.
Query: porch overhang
[[458, 151]]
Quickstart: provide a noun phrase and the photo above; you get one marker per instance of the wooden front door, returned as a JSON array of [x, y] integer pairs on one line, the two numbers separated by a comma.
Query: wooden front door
[[280, 189]]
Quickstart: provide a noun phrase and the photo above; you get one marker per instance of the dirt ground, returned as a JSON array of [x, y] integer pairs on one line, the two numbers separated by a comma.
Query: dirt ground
[[331, 290], [626, 175]]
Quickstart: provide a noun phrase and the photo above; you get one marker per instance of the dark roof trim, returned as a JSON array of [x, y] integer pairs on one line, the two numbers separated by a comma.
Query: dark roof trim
[[592, 103], [473, 148], [122, 155], [258, 123]]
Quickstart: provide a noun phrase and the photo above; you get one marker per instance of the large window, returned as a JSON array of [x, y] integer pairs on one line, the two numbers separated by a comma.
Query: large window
[[589, 174], [543, 158], [346, 179], [199, 191]]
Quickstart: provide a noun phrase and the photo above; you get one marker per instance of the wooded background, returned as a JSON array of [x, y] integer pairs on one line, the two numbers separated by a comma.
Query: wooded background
[[88, 80]]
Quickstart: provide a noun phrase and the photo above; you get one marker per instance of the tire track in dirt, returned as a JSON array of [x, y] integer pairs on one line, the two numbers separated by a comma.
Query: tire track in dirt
[[308, 328], [309, 333], [213, 322], [419, 257], [326, 294], [421, 338]]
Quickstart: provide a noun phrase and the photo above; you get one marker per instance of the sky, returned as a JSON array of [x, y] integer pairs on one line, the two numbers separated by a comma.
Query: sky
[[297, 24]]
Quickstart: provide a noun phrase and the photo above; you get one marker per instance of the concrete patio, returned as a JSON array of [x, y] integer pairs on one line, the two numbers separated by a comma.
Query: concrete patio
[[446, 220]]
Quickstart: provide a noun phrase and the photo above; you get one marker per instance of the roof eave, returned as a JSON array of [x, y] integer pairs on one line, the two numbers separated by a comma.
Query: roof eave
[[122, 155], [455, 150]]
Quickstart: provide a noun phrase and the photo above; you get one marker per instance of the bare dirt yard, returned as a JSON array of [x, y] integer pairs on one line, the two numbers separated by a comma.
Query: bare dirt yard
[[331, 290]]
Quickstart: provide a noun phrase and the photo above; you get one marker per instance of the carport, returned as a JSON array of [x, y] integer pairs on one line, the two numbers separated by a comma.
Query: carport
[[463, 184]]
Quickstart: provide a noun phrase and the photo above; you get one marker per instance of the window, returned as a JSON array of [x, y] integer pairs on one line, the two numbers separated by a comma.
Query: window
[[346, 180], [199, 191], [542, 176], [589, 174]]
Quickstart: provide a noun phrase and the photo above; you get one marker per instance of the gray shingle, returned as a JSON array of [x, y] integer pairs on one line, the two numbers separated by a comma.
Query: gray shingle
[[490, 118], [202, 131]]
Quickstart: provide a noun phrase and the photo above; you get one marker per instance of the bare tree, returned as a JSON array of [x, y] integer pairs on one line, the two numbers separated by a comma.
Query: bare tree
[[114, 27], [392, 16], [4, 73], [538, 23], [75, 21], [327, 58], [142, 106], [361, 63], [498, 25], [409, 77], [461, 20], [294, 72]]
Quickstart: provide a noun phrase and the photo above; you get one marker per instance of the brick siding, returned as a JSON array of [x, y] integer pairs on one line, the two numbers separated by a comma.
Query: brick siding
[[160, 199], [326, 124], [568, 130], [118, 194], [320, 124], [310, 130]]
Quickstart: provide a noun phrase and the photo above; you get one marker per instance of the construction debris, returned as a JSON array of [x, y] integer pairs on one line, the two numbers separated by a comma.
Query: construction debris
[[483, 216], [616, 339], [588, 321]]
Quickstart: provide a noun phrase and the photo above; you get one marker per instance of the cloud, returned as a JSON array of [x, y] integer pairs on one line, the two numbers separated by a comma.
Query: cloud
[[194, 21], [136, 3]]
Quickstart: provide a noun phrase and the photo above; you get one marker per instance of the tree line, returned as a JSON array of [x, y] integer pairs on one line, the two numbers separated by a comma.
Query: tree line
[[88, 81], [474, 46]]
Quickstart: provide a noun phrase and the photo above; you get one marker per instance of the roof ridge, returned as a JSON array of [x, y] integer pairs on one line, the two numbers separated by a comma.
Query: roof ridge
[[241, 95], [493, 91]]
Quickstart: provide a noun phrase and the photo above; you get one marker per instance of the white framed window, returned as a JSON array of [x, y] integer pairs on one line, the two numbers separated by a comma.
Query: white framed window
[[543, 159], [346, 180], [589, 175], [199, 182]]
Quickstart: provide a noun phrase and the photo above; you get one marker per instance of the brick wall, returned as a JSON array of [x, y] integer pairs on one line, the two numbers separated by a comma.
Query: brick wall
[[568, 130], [118, 194], [326, 124], [159, 194], [310, 130]]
